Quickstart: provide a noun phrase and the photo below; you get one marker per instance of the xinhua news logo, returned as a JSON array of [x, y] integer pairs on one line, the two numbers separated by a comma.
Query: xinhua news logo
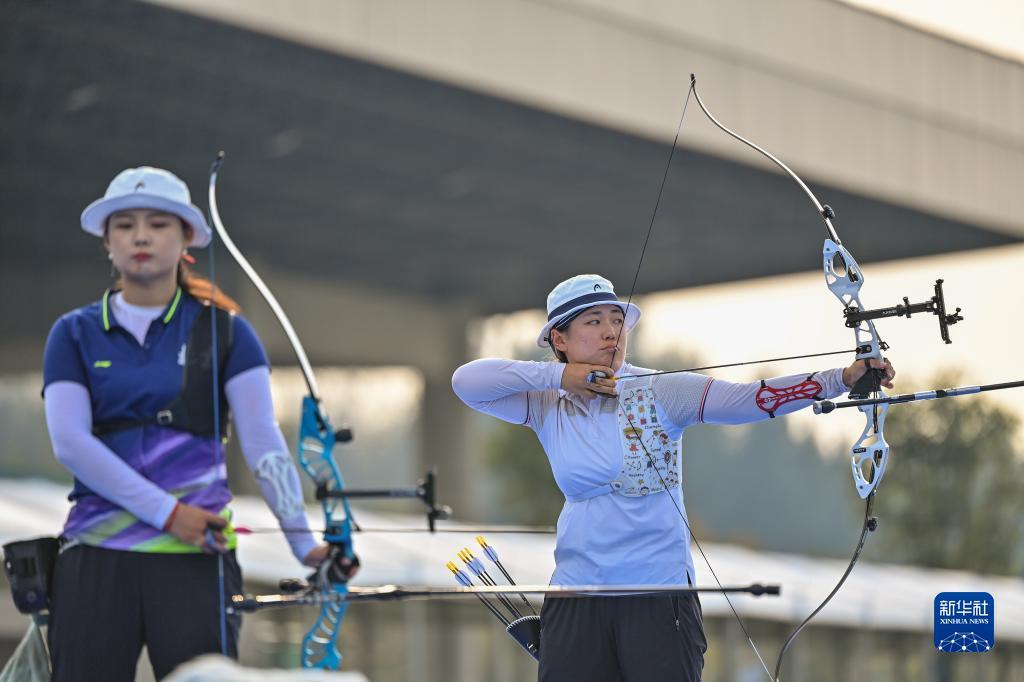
[[965, 622]]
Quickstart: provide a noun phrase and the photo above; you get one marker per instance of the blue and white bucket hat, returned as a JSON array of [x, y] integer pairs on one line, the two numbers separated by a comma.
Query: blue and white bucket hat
[[147, 187], [579, 293]]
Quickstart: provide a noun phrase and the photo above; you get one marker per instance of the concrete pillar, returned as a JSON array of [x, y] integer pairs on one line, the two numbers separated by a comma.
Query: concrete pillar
[[445, 435]]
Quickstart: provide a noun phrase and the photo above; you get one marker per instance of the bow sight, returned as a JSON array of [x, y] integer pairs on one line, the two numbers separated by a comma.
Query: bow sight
[[425, 491], [936, 305]]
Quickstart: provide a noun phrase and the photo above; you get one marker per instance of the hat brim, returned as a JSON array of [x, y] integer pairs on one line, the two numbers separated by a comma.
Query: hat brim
[[95, 215], [632, 316]]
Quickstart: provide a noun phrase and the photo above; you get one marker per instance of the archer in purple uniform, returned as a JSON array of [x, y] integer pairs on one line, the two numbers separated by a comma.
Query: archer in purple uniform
[[135, 413]]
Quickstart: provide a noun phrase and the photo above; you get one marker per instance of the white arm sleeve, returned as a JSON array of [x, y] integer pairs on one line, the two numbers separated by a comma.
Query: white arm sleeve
[[267, 455], [500, 387], [731, 403], [681, 397], [68, 410]]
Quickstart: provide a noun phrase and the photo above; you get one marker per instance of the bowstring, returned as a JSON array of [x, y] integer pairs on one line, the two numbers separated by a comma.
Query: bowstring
[[735, 364], [746, 633], [219, 454], [650, 458], [654, 216]]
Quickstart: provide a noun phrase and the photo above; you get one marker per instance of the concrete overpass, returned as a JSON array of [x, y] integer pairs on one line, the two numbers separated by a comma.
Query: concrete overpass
[[398, 168]]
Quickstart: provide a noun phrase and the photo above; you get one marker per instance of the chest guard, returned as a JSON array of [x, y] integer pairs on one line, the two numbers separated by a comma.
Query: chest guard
[[640, 427], [192, 409]]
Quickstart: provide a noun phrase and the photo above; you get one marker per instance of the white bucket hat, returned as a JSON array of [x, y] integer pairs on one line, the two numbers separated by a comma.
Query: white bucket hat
[[147, 187], [581, 292]]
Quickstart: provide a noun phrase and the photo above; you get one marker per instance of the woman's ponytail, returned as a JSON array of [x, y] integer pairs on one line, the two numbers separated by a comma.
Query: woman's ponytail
[[204, 290]]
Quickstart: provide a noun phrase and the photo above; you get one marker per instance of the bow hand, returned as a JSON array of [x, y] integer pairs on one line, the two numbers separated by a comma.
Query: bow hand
[[868, 376], [316, 556], [340, 566], [334, 566]]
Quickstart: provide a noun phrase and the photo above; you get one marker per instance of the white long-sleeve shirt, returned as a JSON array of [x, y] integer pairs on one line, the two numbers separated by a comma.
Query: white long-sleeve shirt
[[613, 539]]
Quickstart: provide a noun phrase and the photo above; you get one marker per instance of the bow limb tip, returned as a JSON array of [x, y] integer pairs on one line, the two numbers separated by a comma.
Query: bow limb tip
[[217, 163]]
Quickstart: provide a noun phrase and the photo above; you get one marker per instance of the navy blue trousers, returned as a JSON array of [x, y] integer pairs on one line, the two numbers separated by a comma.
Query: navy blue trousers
[[622, 639], [106, 604]]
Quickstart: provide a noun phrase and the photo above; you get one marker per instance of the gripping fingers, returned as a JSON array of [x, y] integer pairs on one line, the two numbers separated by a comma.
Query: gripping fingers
[[886, 369], [214, 539], [599, 383], [890, 374]]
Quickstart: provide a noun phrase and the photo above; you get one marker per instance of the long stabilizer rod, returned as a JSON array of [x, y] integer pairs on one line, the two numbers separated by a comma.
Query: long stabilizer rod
[[826, 406], [244, 603]]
